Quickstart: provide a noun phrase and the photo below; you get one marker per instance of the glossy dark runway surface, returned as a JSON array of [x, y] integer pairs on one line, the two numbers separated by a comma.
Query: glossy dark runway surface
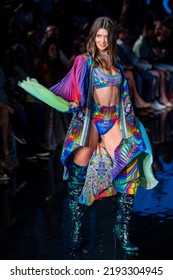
[[34, 213]]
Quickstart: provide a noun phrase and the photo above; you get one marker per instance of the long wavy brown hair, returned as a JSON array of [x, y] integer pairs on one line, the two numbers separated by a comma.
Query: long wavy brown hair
[[110, 26]]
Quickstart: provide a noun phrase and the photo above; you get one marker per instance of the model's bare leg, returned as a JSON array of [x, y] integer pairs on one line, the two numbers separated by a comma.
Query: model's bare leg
[[82, 155]]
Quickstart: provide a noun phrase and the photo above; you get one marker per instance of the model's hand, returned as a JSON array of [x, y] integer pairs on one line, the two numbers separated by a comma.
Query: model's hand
[[74, 104]]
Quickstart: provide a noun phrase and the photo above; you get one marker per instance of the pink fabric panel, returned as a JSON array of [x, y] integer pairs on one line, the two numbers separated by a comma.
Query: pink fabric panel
[[74, 85]]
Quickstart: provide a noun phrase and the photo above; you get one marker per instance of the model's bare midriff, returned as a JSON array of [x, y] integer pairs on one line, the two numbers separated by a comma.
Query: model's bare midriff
[[108, 96]]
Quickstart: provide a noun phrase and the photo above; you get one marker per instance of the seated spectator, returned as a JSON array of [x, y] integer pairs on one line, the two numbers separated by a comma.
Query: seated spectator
[[50, 70], [129, 71], [52, 31], [144, 49], [28, 120], [33, 46], [145, 79], [161, 50], [79, 47], [5, 125]]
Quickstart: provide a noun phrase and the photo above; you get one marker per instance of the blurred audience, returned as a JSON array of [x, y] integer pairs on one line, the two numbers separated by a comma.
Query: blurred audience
[[52, 31], [42, 41], [79, 47], [51, 68], [145, 77], [144, 49], [6, 110]]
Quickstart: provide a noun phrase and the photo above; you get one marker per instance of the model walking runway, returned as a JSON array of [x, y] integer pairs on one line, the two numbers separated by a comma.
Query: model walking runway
[[34, 214]]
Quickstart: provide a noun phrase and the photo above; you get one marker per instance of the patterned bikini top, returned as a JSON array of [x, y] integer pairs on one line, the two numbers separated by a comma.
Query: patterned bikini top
[[102, 80]]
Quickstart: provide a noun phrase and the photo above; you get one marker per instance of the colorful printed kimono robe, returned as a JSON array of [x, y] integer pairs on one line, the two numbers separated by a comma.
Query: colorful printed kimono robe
[[78, 85]]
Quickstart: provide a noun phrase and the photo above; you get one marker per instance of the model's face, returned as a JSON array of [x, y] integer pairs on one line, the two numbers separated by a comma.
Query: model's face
[[101, 40]]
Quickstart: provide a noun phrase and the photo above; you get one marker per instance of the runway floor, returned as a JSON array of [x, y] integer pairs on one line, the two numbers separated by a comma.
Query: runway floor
[[34, 213]]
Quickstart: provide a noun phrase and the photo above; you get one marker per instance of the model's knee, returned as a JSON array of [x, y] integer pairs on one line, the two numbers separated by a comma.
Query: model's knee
[[82, 156]]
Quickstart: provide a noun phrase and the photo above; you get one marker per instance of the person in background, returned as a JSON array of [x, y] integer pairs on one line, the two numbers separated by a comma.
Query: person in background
[[79, 47], [144, 49], [50, 70], [130, 74], [5, 125], [52, 31], [143, 68]]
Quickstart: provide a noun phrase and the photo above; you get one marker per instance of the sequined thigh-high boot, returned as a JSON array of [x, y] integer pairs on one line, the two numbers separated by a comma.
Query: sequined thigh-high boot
[[75, 184], [121, 229]]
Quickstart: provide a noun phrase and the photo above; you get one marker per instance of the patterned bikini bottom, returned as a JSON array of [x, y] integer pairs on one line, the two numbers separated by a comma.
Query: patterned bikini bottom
[[104, 117]]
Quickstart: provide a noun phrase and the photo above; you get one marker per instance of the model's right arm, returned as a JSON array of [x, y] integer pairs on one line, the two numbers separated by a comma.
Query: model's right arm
[[73, 87]]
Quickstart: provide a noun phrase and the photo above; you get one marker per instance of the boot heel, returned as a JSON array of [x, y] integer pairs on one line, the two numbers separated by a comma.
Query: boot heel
[[75, 244], [76, 236], [122, 238]]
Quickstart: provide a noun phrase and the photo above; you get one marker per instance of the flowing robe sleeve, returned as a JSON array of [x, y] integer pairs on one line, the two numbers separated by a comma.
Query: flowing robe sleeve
[[73, 87]]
